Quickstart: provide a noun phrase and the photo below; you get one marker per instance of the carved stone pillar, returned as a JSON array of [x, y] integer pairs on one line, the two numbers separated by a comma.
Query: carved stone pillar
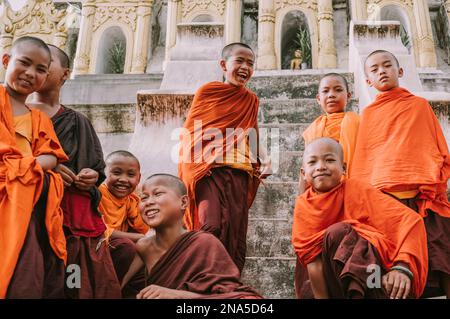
[[359, 10], [82, 56], [266, 36], [327, 51], [173, 17], [233, 21], [427, 53], [142, 36]]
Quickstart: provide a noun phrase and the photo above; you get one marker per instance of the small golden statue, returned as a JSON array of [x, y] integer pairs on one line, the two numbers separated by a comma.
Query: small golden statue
[[296, 62]]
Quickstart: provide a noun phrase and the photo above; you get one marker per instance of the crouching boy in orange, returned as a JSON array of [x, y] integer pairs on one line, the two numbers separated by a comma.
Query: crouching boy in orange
[[341, 228]]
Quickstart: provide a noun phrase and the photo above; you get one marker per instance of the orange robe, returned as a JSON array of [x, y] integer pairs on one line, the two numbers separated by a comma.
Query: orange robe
[[342, 127], [397, 232], [21, 180], [120, 213], [401, 147], [218, 106]]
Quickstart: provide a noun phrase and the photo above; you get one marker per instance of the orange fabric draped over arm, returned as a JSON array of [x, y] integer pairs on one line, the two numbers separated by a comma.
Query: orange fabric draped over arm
[[120, 213], [21, 181], [401, 147], [218, 106], [342, 127], [397, 232]]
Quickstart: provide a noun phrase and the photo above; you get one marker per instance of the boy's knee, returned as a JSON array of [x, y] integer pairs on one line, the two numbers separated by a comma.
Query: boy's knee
[[337, 232], [315, 268]]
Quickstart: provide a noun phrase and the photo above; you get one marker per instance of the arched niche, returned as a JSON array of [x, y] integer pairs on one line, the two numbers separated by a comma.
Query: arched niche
[[112, 51], [396, 13], [293, 21]]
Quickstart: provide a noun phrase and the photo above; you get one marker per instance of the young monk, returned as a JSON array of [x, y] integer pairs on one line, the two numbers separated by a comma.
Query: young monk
[[181, 264], [337, 124], [120, 208], [82, 174], [222, 169], [32, 243], [343, 227], [402, 151]]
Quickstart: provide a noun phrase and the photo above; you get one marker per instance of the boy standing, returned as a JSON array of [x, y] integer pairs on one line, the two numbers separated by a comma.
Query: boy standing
[[402, 151], [82, 174], [219, 164], [32, 243]]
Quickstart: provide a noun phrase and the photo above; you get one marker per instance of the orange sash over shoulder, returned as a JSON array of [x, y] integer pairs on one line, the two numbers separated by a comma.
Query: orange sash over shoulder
[[401, 147], [21, 181], [216, 107], [397, 232], [120, 213], [342, 127]]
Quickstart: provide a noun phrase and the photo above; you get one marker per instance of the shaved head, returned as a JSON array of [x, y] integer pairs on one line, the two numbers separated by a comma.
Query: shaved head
[[336, 147], [60, 55], [123, 153], [381, 52], [335, 75], [171, 181], [29, 41], [227, 51]]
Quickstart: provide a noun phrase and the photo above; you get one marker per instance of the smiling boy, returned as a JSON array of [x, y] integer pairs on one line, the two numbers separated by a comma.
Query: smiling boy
[[341, 228], [223, 179], [32, 244], [120, 208], [181, 264]]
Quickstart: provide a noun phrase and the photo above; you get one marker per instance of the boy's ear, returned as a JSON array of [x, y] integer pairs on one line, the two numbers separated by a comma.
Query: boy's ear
[[66, 74], [400, 72], [223, 65], [318, 98], [184, 202], [344, 167], [369, 83], [302, 172], [349, 95], [5, 60]]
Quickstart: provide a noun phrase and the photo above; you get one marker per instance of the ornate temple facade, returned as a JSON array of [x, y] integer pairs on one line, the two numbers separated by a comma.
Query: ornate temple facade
[[147, 30]]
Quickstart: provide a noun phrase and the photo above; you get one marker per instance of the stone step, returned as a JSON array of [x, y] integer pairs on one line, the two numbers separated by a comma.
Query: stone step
[[292, 111], [270, 220], [287, 168], [288, 84], [272, 277], [274, 200], [269, 237], [282, 136]]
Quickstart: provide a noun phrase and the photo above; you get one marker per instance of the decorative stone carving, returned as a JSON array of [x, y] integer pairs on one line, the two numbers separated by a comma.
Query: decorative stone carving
[[126, 15], [192, 5], [280, 4]]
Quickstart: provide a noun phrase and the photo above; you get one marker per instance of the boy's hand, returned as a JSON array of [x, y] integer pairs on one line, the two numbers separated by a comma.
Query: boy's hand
[[66, 173], [266, 168], [158, 292], [86, 179], [397, 284]]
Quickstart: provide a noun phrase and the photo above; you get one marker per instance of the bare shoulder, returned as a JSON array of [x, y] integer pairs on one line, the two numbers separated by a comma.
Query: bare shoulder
[[145, 246]]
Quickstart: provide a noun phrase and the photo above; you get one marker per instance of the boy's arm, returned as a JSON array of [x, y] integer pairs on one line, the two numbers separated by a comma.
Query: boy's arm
[[158, 292], [266, 162], [132, 236], [318, 283], [136, 264], [47, 161]]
